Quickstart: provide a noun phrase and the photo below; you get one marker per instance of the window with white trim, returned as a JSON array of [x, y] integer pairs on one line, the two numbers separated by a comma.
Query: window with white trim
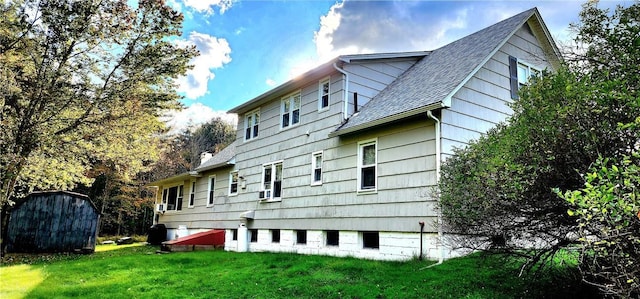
[[290, 110], [211, 190], [367, 165], [526, 72], [316, 168], [192, 194], [324, 90], [233, 183], [251, 123], [172, 197], [271, 187], [520, 73]]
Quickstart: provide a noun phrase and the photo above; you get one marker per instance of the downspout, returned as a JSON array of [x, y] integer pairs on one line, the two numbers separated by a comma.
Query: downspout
[[346, 90], [438, 163]]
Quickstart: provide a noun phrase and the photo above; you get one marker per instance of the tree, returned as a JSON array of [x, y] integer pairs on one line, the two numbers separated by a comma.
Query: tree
[[498, 191], [74, 73]]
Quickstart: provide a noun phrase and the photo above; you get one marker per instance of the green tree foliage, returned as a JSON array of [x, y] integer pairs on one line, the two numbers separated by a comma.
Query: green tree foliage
[[498, 190], [608, 216], [81, 76]]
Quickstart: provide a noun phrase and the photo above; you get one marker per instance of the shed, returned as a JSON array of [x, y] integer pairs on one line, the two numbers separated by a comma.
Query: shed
[[53, 221]]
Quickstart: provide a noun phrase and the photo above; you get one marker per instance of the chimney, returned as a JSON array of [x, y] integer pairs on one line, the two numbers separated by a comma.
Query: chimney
[[205, 156]]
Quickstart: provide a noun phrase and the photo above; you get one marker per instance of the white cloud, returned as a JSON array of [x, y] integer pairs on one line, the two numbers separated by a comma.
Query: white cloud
[[206, 6], [193, 116], [214, 53], [270, 82], [357, 27]]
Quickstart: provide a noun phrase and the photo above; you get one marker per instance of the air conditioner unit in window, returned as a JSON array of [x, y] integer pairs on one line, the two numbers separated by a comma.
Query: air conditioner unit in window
[[160, 208], [264, 195]]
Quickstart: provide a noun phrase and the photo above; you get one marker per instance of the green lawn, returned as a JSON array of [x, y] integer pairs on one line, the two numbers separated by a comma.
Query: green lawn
[[138, 272]]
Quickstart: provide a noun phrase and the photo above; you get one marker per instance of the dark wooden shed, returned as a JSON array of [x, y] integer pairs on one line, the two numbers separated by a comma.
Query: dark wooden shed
[[53, 221]]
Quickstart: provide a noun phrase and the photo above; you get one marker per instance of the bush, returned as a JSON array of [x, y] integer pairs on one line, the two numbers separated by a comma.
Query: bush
[[608, 215]]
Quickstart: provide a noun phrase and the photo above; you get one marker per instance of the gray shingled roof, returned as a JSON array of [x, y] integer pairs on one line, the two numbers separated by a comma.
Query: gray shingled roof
[[222, 158], [432, 79]]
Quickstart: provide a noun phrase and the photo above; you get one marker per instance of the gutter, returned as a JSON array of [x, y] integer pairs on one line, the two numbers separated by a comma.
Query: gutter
[[438, 163], [346, 90]]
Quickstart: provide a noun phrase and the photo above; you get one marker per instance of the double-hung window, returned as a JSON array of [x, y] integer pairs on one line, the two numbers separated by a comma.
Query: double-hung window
[[520, 74], [212, 189], [316, 168], [172, 197], [251, 122], [233, 183], [324, 90], [192, 194], [271, 181], [367, 165], [290, 110]]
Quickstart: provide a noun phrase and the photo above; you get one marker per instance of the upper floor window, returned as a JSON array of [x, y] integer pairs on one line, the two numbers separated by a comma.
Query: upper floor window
[[520, 73], [172, 197], [367, 165], [291, 110], [212, 189], [233, 183], [323, 93], [192, 194], [251, 122], [271, 181], [316, 168]]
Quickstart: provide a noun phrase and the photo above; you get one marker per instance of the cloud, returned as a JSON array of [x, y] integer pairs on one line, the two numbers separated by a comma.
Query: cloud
[[214, 54], [354, 27], [270, 82], [193, 116], [206, 6]]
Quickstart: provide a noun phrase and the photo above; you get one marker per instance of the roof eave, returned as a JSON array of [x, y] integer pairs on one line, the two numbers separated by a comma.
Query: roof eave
[[175, 178], [385, 120], [219, 165]]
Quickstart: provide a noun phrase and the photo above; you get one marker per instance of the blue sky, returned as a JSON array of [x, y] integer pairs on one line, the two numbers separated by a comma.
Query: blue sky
[[249, 47]]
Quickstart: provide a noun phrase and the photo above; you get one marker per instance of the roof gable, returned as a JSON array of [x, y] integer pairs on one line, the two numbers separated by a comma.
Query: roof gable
[[431, 82]]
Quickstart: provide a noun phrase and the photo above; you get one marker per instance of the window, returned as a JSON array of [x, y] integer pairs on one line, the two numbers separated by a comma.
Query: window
[[367, 164], [172, 197], [234, 233], [333, 238], [192, 195], [520, 74], [290, 110], [370, 240], [254, 235], [271, 181], [323, 94], [233, 183], [275, 236], [301, 237], [316, 168], [212, 190], [251, 122]]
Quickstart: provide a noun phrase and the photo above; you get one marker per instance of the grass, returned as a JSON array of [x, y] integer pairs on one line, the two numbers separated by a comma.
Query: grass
[[138, 272]]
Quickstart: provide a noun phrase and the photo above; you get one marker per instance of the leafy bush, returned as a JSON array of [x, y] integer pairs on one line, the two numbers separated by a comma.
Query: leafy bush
[[608, 215]]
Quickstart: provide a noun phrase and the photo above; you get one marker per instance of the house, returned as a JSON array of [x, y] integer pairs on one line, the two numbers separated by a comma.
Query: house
[[53, 221], [342, 160]]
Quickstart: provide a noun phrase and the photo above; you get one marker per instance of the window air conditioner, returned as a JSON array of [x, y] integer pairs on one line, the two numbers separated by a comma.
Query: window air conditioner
[[160, 208], [265, 194]]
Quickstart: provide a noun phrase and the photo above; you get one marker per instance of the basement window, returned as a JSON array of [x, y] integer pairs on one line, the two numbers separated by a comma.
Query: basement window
[[371, 240], [234, 232], [254, 235], [301, 237], [275, 236], [333, 238]]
